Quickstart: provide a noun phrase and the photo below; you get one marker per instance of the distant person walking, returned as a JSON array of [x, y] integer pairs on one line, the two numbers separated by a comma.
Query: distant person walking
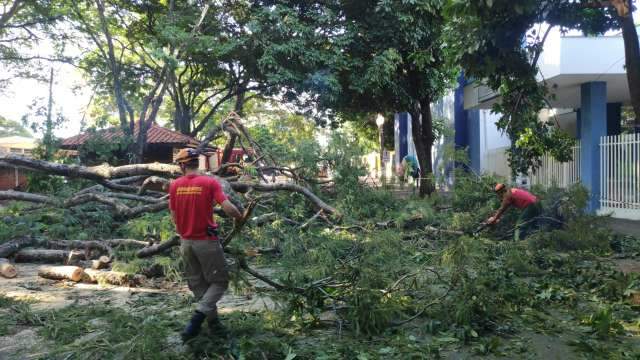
[[410, 167]]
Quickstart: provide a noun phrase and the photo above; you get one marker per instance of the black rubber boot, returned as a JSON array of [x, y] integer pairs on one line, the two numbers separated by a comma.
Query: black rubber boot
[[193, 327]]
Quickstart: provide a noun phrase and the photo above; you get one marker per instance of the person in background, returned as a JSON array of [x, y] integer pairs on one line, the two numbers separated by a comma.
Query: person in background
[[410, 167], [191, 201], [521, 199]]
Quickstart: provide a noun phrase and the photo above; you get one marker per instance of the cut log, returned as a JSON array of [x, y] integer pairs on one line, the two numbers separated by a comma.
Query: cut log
[[7, 269], [102, 263], [42, 256], [158, 248], [110, 277], [75, 257], [72, 273], [13, 246]]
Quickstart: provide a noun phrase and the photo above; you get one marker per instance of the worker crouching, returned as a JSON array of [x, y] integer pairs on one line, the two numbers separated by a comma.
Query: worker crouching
[[521, 199]]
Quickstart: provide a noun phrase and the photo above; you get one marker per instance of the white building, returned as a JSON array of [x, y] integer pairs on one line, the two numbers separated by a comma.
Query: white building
[[587, 78]]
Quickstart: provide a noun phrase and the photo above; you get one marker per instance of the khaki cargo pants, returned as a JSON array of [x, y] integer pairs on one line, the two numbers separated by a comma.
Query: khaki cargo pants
[[206, 273]]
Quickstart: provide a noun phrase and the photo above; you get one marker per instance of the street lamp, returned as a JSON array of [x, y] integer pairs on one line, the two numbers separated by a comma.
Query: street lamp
[[380, 123]]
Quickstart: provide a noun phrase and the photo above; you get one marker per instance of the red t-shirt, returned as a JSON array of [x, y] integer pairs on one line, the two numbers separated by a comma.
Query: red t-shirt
[[191, 198], [522, 198]]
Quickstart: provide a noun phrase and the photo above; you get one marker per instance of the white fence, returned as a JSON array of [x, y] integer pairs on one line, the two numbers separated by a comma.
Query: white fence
[[555, 173], [620, 176]]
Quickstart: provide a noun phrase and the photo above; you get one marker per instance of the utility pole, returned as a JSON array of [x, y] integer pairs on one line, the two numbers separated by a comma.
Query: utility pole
[[380, 123], [48, 126]]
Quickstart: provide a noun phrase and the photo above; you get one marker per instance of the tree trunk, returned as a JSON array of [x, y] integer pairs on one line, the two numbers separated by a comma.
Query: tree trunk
[[422, 132], [72, 273], [7, 269], [127, 127], [182, 119], [42, 255], [632, 60], [228, 149], [48, 127], [11, 247]]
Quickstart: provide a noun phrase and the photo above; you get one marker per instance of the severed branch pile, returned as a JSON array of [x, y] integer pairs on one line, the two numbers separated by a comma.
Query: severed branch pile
[[120, 182], [131, 191]]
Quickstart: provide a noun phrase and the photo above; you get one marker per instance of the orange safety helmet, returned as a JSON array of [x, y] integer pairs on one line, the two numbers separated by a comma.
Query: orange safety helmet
[[499, 187], [186, 155]]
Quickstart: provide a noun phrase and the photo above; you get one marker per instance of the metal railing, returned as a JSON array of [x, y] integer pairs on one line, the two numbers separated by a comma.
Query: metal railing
[[555, 173], [620, 176]]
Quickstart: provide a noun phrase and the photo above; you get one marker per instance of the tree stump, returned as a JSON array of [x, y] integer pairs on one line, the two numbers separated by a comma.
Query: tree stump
[[75, 257], [7, 269], [72, 273]]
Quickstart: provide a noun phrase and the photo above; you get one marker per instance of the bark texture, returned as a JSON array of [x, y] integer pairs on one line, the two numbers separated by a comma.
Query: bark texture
[[41, 256]]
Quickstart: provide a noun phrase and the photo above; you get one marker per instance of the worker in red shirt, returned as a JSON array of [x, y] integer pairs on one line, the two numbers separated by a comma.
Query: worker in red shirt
[[520, 199], [191, 200]]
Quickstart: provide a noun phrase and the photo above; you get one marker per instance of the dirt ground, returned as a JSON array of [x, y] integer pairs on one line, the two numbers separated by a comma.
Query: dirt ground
[[46, 294]]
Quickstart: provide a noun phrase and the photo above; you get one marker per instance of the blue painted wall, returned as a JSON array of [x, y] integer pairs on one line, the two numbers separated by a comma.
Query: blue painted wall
[[460, 122], [593, 125], [473, 127]]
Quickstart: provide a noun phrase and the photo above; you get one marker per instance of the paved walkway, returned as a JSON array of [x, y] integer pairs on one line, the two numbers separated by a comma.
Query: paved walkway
[[628, 227]]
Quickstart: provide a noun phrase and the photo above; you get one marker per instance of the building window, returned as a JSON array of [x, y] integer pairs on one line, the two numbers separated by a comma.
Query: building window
[[15, 150]]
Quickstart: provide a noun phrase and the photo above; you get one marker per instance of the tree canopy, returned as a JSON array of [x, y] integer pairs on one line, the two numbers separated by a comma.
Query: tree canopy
[[498, 42], [12, 128]]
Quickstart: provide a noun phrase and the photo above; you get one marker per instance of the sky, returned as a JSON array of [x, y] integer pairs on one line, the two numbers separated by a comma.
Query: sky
[[16, 98]]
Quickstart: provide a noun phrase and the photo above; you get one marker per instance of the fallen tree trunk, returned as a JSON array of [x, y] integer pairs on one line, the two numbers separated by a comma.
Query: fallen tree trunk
[[120, 209], [72, 273], [41, 256], [158, 248], [110, 277], [87, 245], [7, 269], [28, 197], [13, 246], [97, 173]]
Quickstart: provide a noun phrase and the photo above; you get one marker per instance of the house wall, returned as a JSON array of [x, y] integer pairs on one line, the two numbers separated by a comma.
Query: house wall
[[12, 179], [160, 153]]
